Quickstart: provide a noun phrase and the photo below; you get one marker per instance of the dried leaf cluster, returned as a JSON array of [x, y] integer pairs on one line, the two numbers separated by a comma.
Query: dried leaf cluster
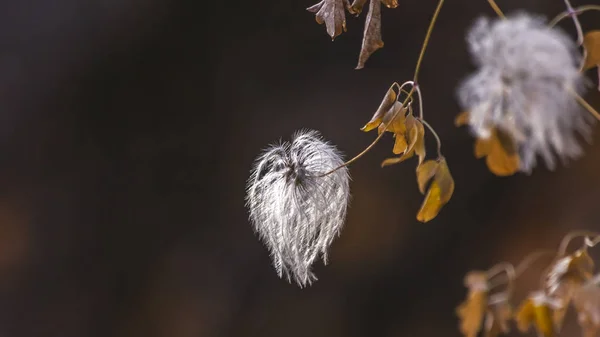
[[433, 176], [524, 101], [333, 14], [568, 281]]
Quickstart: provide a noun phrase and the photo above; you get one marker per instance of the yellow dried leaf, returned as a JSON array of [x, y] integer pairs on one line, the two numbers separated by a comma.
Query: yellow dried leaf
[[499, 149], [400, 144], [502, 158], [439, 193], [537, 310], [415, 142], [396, 160], [483, 147], [525, 315], [425, 172], [591, 43], [390, 3], [472, 310], [385, 105], [395, 125], [543, 320]]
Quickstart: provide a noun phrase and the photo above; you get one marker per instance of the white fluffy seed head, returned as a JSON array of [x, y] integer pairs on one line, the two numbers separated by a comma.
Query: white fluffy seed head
[[527, 74], [297, 213]]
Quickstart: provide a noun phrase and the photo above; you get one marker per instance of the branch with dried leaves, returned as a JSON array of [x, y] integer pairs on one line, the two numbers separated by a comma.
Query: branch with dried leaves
[[569, 279]]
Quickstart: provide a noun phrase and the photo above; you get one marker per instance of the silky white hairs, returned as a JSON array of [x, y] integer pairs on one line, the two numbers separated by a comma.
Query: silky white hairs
[[297, 212], [525, 83]]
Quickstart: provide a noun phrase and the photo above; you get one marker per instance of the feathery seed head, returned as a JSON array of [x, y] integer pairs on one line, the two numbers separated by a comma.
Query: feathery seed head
[[295, 212], [527, 74]]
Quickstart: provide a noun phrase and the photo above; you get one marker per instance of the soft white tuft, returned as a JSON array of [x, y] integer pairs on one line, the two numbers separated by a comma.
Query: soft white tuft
[[527, 74], [296, 212]]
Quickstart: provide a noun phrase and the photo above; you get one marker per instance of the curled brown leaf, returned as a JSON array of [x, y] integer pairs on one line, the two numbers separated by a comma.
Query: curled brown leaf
[[372, 33], [332, 13]]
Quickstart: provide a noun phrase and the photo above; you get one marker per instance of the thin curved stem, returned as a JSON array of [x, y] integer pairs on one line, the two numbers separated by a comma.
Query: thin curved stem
[[571, 12], [426, 41], [586, 105], [409, 95], [509, 271], [418, 89], [530, 259], [437, 138], [564, 244], [577, 11], [496, 9], [526, 263]]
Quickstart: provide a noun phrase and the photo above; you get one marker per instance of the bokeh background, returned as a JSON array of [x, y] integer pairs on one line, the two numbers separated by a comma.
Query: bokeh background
[[127, 132]]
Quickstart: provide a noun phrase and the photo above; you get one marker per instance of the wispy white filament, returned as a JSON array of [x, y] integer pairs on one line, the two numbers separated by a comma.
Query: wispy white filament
[[296, 212], [527, 74]]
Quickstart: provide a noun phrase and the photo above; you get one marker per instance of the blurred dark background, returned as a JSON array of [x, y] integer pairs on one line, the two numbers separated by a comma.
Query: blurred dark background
[[127, 132]]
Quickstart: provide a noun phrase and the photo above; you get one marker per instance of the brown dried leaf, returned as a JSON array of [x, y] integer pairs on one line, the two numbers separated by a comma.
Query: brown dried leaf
[[587, 304], [372, 33], [385, 105], [498, 315], [461, 119], [472, 310], [591, 43], [357, 6], [331, 12], [439, 193]]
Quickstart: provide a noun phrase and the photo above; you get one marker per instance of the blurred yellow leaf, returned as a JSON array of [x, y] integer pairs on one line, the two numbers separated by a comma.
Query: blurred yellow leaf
[[587, 304], [537, 310], [502, 158], [591, 43], [461, 119], [564, 279], [499, 150], [472, 310], [440, 190]]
